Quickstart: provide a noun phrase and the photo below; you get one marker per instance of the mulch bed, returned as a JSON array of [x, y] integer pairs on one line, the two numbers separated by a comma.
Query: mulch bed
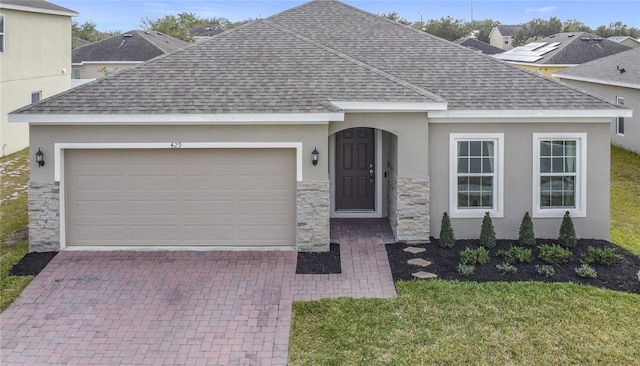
[[320, 263], [621, 276], [32, 263]]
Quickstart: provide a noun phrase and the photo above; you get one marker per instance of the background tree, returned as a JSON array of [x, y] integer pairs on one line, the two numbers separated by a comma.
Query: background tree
[[483, 27], [447, 28], [617, 29], [178, 25], [573, 25], [393, 15], [88, 32], [535, 29]]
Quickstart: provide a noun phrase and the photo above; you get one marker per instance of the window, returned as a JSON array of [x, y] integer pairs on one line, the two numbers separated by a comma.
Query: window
[[559, 174], [476, 178], [36, 96], [75, 73], [1, 33], [506, 39], [620, 120]]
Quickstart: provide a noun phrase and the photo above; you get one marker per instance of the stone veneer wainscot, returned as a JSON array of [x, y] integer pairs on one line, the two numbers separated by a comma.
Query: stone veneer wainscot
[[409, 208], [313, 217], [44, 217]]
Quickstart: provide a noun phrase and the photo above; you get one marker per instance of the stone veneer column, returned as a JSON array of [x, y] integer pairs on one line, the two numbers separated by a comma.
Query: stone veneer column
[[412, 219], [44, 217], [313, 231]]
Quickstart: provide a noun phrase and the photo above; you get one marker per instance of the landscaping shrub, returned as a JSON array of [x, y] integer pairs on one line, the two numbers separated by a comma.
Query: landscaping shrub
[[554, 254], [516, 255], [506, 268], [526, 236], [586, 271], [472, 256], [447, 238], [545, 270], [487, 232], [465, 269], [606, 256], [567, 236]]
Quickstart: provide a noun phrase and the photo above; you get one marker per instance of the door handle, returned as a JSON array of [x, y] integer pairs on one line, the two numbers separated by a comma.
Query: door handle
[[371, 176]]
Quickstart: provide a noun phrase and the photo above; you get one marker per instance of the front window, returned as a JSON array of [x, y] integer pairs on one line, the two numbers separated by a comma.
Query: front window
[[476, 175], [1, 33], [75, 73], [620, 120], [559, 174]]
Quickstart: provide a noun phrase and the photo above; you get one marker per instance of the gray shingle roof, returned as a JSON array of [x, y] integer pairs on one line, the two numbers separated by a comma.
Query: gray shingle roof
[[300, 60], [475, 44], [509, 30], [207, 30], [607, 69], [574, 48], [38, 5], [130, 46]]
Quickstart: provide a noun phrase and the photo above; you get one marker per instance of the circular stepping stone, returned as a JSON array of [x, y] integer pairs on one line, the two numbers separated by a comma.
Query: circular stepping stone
[[424, 275], [419, 262], [414, 250]]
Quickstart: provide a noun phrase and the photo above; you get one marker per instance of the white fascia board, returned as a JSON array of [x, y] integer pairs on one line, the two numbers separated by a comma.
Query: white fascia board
[[537, 65], [177, 119], [596, 81], [390, 106], [38, 10], [547, 113]]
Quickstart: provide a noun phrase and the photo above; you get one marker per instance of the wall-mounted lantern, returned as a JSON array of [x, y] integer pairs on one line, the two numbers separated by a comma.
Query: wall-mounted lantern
[[40, 158], [315, 155]]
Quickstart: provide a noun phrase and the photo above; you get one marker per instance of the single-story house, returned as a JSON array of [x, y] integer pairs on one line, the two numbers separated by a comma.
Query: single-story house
[[616, 78], [257, 138]]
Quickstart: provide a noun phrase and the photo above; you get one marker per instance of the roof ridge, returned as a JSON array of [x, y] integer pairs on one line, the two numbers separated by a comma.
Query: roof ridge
[[355, 61]]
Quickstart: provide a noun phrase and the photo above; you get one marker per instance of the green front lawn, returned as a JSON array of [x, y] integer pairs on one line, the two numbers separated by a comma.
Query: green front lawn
[[625, 199], [451, 323]]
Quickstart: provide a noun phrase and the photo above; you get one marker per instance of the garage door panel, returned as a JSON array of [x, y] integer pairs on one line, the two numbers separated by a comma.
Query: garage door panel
[[203, 197]]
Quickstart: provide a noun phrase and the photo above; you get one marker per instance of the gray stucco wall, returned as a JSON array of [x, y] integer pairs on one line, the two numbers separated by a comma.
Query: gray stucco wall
[[518, 179], [631, 138]]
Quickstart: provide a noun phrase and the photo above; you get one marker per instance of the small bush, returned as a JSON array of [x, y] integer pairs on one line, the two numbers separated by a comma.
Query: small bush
[[586, 271], [506, 268], [447, 238], [606, 256], [526, 237], [516, 255], [465, 269], [545, 270], [567, 236], [472, 256], [554, 254], [487, 232]]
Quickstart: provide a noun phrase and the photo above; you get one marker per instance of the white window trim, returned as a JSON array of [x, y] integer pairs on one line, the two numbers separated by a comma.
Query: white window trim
[[498, 195], [618, 99], [581, 175]]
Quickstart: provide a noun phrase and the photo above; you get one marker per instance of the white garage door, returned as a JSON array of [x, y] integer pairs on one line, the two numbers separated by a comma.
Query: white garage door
[[180, 197]]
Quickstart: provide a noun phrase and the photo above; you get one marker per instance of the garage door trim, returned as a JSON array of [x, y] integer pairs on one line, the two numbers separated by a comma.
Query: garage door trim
[[59, 149]]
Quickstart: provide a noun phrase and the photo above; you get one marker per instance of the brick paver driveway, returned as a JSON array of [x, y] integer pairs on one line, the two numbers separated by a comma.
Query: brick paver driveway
[[209, 308]]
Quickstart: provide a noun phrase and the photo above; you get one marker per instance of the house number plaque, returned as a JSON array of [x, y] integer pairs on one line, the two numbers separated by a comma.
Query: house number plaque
[[176, 145]]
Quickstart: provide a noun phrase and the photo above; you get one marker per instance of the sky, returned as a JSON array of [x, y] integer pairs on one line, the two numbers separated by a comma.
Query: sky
[[125, 15]]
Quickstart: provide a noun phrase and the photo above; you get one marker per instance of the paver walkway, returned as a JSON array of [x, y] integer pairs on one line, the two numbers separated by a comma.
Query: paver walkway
[[208, 308]]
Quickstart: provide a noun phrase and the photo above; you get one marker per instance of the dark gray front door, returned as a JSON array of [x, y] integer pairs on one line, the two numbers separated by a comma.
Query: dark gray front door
[[355, 169]]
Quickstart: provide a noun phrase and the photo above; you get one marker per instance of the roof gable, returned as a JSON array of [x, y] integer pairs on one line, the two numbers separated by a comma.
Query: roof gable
[[303, 59], [37, 6]]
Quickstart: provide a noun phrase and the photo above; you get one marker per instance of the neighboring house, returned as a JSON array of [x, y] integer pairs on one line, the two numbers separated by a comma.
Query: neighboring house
[[477, 45], [35, 61], [502, 36], [121, 52], [625, 40], [616, 78], [560, 51], [79, 42], [256, 138], [203, 32]]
